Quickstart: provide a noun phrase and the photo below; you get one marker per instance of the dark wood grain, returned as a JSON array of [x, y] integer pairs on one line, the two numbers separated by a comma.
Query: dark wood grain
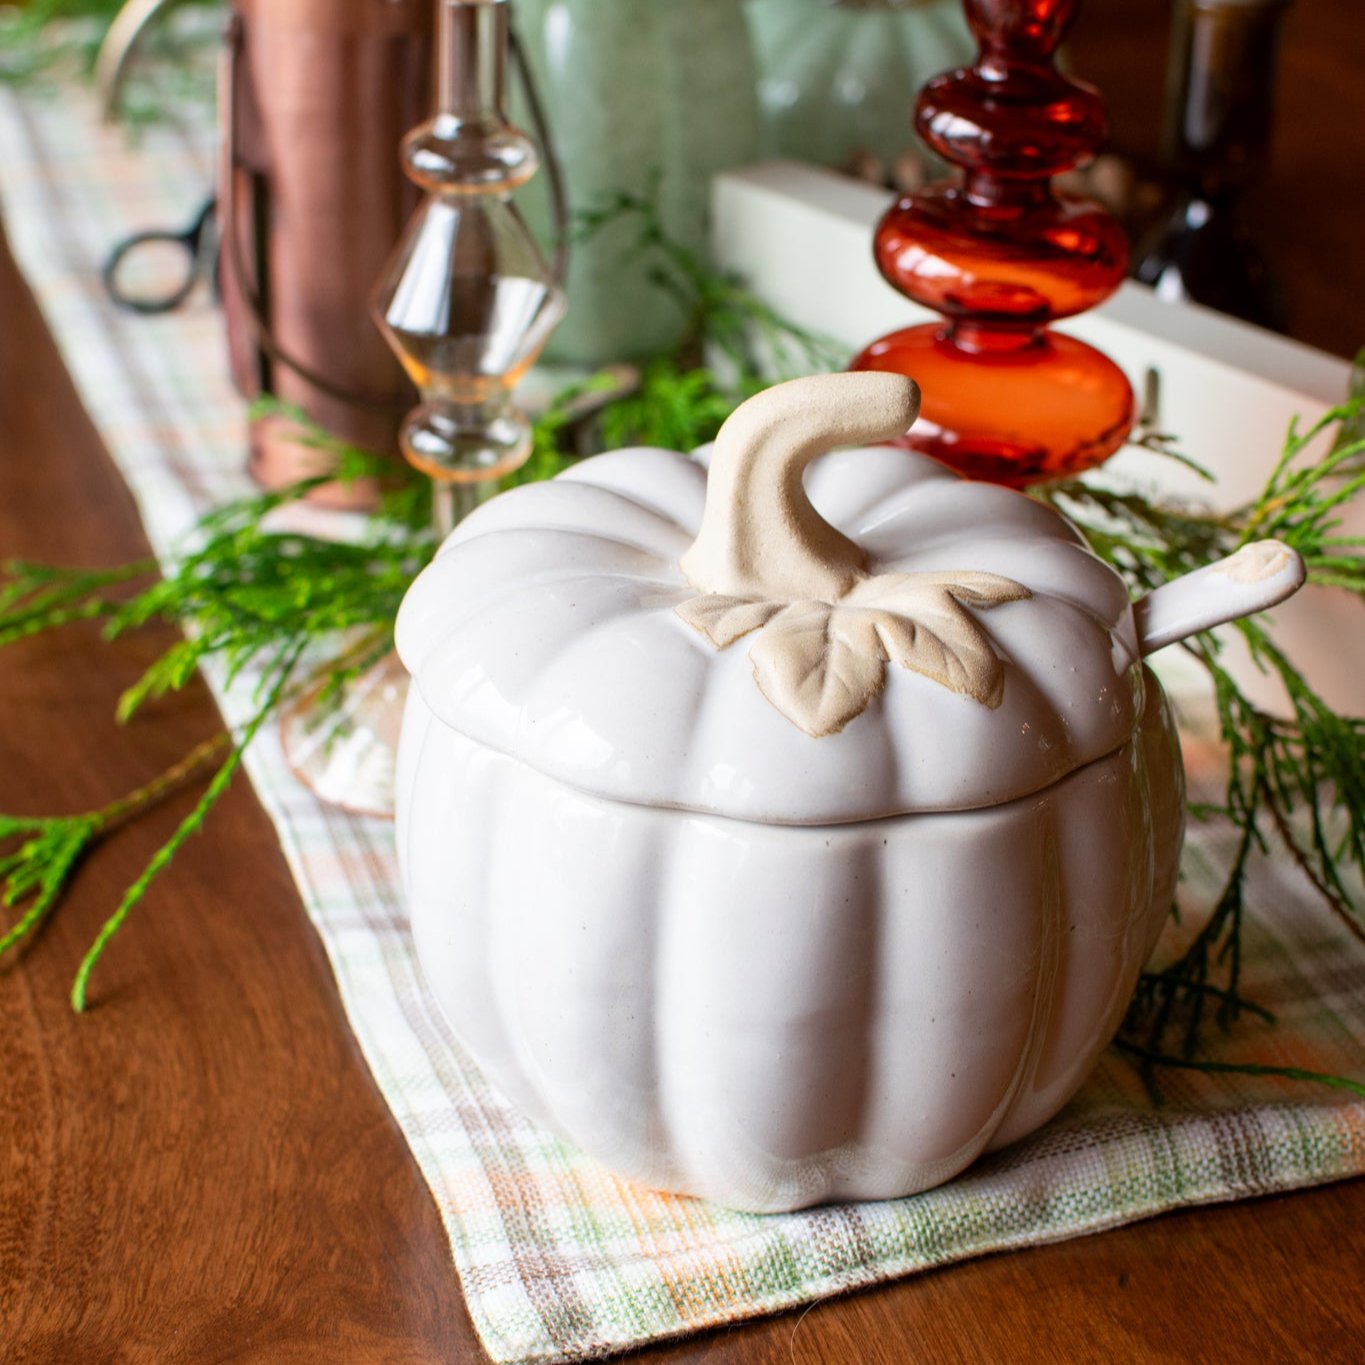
[[201, 1170]]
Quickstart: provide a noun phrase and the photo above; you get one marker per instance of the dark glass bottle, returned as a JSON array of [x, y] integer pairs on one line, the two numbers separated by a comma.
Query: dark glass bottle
[[1217, 144]]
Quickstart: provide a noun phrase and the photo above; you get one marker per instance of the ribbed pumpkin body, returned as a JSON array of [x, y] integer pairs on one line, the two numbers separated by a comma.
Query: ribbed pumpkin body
[[730, 959], [770, 1016]]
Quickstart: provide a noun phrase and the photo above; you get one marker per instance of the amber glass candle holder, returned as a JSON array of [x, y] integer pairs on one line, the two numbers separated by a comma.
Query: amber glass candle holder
[[1000, 256], [468, 301]]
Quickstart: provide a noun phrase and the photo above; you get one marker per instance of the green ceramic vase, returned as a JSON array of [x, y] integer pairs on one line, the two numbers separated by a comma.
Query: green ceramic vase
[[840, 77], [652, 97]]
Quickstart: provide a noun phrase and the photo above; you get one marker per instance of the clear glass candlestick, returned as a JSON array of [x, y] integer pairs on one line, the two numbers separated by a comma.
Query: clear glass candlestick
[[467, 304], [469, 301]]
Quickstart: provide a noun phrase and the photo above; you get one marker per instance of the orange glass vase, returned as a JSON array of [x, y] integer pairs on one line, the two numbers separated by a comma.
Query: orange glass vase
[[1001, 256]]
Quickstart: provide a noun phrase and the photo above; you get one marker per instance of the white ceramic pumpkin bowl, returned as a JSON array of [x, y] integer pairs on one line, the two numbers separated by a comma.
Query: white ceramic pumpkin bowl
[[799, 837]]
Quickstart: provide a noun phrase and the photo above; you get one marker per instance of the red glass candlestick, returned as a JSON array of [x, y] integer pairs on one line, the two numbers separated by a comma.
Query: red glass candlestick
[[1001, 256]]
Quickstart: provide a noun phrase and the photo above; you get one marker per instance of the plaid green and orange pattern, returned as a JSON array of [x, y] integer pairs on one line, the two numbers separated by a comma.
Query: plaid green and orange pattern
[[558, 1260]]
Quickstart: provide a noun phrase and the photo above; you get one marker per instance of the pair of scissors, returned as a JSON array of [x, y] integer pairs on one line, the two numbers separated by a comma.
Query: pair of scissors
[[156, 271]]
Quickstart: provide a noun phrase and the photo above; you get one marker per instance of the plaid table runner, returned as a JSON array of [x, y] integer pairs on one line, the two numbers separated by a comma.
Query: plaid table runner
[[558, 1260]]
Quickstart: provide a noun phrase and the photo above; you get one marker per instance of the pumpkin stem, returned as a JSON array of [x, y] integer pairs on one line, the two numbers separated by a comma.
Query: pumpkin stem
[[760, 537]]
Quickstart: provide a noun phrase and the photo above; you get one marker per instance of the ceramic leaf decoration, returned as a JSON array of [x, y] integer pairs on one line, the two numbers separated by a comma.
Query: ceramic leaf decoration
[[826, 628], [724, 619], [606, 626], [819, 665]]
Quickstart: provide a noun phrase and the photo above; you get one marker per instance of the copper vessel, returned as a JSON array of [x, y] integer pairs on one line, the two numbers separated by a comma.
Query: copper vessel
[[317, 95]]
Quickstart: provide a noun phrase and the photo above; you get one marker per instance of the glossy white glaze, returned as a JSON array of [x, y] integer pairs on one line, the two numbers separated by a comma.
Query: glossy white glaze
[[731, 958], [772, 1017], [1261, 574], [547, 629]]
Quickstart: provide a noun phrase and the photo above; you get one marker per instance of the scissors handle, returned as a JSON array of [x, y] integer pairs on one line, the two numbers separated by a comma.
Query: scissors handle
[[192, 242]]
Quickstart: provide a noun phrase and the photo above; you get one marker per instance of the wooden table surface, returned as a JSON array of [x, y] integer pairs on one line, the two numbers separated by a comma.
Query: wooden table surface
[[201, 1170]]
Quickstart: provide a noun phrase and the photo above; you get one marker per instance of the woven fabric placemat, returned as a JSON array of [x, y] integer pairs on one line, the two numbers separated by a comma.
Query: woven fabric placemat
[[559, 1260]]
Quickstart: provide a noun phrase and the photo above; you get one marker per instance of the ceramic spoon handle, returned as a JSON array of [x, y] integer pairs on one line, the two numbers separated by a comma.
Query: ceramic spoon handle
[[1258, 576]]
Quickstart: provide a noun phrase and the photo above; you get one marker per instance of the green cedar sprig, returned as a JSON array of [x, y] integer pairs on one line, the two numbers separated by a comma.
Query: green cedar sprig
[[307, 615], [275, 683], [244, 594], [732, 343], [1301, 778], [1148, 1061], [36, 873]]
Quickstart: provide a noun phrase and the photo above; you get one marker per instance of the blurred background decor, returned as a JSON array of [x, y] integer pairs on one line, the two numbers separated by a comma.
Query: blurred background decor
[[837, 78], [625, 96], [1220, 102], [640, 97], [1134, 51]]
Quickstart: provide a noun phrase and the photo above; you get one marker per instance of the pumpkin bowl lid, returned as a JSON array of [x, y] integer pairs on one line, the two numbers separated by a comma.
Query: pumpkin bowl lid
[[930, 644]]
